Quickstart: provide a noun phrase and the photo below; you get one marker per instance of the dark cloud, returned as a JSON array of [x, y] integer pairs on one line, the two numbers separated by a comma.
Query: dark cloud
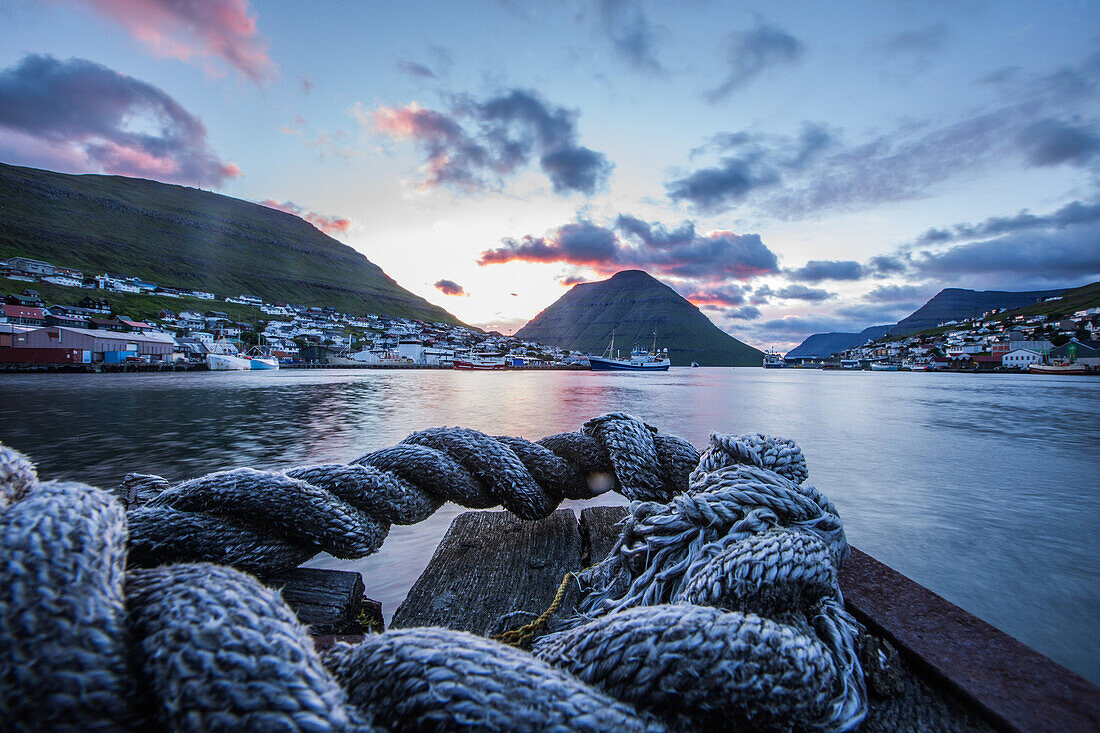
[[1070, 255], [413, 69], [655, 235], [801, 292], [748, 54], [1076, 212], [186, 29], [1045, 120], [578, 243], [85, 117], [326, 223], [750, 161], [743, 313], [1052, 142], [507, 132], [632, 36], [815, 271], [897, 294], [571, 280], [886, 265], [711, 257], [716, 296], [450, 287]]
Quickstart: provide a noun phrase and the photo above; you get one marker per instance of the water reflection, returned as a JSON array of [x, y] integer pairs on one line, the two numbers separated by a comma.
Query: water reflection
[[978, 486]]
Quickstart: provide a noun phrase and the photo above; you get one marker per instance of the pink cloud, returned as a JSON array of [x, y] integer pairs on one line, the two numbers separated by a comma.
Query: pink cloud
[[327, 224], [196, 29], [78, 116]]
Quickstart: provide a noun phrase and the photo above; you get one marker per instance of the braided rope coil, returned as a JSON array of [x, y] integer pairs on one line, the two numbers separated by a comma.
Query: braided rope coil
[[718, 608]]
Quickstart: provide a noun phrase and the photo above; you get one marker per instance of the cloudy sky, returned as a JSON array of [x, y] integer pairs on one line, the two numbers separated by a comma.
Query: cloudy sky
[[789, 167]]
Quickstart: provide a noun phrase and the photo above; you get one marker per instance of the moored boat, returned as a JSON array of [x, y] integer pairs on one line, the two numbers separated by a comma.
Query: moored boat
[[224, 358], [640, 360], [480, 363], [227, 363], [774, 360], [879, 366], [1071, 368]]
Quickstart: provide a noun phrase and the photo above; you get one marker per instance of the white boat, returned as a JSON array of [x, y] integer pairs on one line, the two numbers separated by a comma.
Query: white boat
[[224, 358], [260, 358], [879, 366], [480, 363], [774, 360], [227, 363]]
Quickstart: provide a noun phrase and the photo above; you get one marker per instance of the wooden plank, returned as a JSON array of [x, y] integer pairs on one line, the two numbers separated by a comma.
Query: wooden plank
[[1015, 687], [600, 531], [490, 565], [328, 601]]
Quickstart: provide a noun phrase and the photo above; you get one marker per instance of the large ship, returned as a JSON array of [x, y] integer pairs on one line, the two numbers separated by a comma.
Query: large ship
[[640, 360]]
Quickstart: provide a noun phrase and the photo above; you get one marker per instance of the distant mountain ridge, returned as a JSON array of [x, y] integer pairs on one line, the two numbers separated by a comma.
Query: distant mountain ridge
[[826, 344], [184, 237], [956, 304], [631, 305], [950, 304]]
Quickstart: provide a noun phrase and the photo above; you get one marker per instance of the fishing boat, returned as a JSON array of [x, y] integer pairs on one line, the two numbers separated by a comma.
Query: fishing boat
[[880, 366], [480, 363], [224, 358], [1063, 368], [260, 358], [640, 360], [774, 360]]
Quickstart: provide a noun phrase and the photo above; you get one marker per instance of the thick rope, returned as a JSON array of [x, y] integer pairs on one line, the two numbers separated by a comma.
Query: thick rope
[[265, 522], [718, 608]]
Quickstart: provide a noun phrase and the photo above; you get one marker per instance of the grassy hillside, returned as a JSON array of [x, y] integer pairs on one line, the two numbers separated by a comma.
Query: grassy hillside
[[1074, 300], [632, 305], [183, 237]]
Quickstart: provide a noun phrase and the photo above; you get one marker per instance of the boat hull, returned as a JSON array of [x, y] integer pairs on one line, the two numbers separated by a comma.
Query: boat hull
[[489, 366], [1058, 369], [884, 367], [615, 365], [227, 363], [263, 363]]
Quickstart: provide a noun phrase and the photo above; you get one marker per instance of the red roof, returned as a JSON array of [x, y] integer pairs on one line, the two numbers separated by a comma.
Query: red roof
[[136, 324], [18, 311]]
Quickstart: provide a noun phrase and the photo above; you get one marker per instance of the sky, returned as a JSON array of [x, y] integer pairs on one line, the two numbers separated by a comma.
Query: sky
[[790, 168]]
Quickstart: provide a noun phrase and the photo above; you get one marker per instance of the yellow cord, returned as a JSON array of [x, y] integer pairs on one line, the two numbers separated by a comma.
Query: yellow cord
[[517, 637]]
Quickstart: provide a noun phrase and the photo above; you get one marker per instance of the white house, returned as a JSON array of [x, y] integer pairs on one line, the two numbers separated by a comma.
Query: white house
[[1021, 358]]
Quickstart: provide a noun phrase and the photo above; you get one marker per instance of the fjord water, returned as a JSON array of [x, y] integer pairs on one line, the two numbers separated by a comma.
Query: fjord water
[[981, 487]]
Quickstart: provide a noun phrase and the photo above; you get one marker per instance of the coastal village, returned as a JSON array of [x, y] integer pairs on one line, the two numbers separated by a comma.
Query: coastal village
[[993, 341], [88, 331]]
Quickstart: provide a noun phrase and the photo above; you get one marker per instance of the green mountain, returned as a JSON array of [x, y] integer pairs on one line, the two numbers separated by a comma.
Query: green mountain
[[956, 304], [183, 237], [633, 305]]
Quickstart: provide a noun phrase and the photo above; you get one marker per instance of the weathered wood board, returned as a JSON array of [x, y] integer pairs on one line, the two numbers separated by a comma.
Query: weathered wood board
[[490, 565], [328, 601]]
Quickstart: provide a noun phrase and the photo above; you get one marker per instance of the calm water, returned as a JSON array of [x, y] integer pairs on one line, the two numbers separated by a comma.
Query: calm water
[[982, 488]]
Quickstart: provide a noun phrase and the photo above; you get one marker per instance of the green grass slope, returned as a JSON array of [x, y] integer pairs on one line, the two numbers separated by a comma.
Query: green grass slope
[[184, 237], [633, 305]]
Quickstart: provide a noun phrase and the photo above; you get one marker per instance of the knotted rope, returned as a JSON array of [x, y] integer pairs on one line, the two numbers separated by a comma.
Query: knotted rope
[[717, 608]]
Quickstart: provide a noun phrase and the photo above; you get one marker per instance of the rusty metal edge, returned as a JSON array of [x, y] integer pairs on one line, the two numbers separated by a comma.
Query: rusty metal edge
[[1009, 684]]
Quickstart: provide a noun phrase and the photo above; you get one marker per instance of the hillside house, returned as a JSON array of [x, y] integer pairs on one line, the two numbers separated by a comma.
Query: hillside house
[[24, 316]]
